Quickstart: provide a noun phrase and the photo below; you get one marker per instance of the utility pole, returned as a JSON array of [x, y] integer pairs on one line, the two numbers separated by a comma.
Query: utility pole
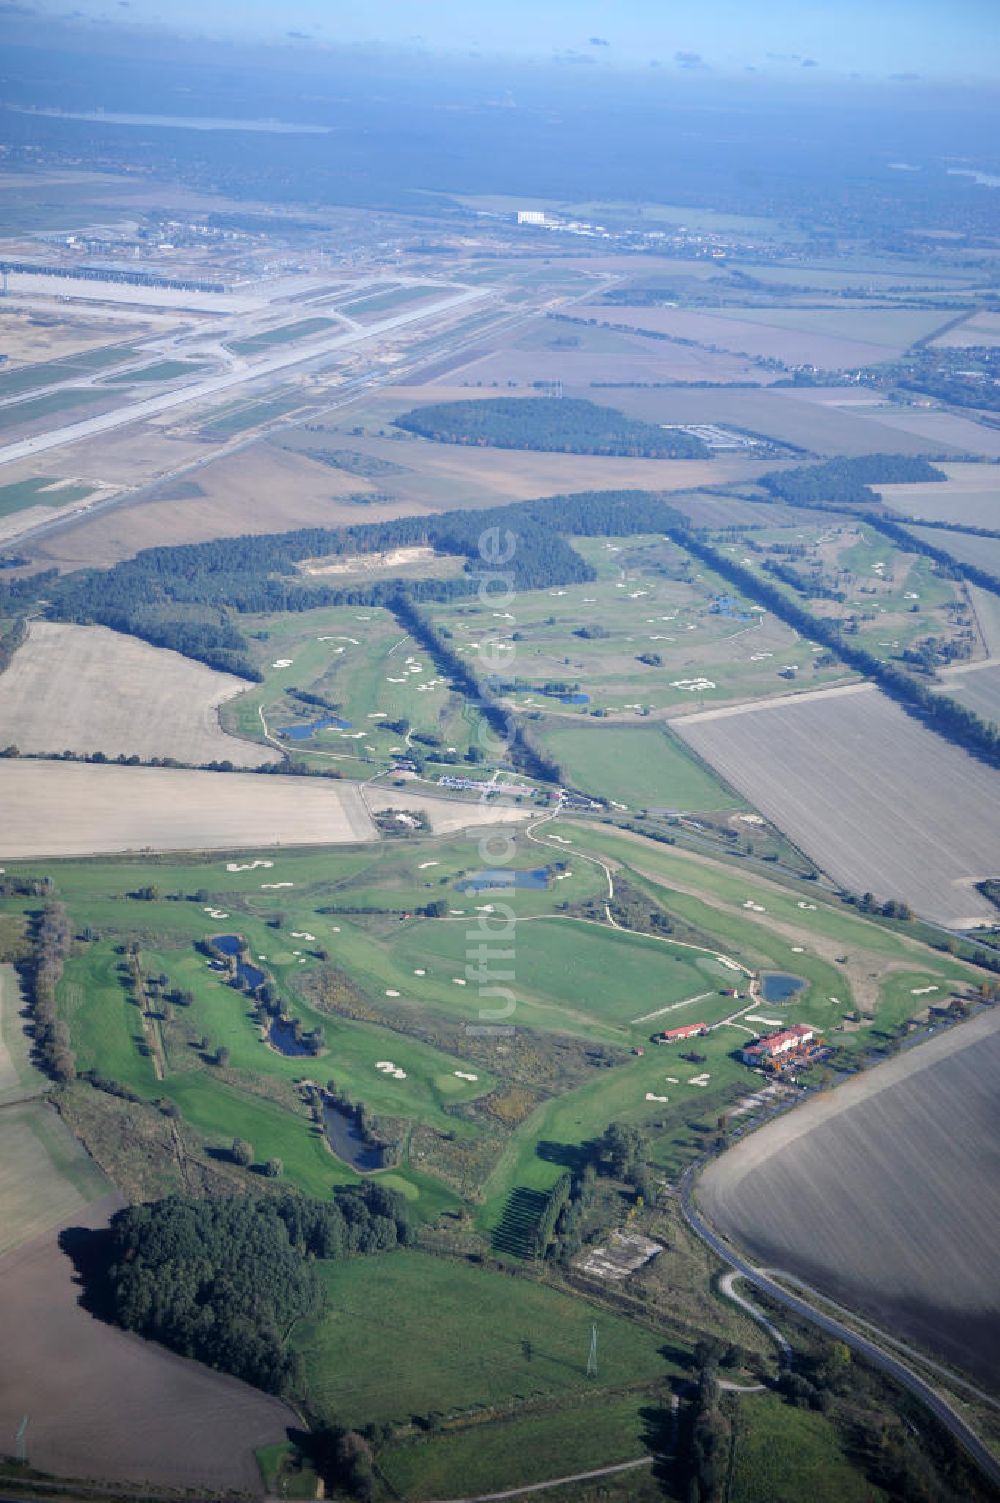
[[592, 1355]]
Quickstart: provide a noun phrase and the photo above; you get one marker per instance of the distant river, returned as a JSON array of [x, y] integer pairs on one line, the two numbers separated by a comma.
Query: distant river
[[183, 122]]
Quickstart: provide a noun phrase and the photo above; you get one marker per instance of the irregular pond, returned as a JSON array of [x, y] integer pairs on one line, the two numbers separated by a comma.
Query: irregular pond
[[247, 975], [574, 699], [536, 879], [778, 986], [306, 729], [283, 1036], [346, 1140]]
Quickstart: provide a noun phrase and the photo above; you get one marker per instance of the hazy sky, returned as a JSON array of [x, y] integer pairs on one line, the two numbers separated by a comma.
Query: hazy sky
[[933, 38]]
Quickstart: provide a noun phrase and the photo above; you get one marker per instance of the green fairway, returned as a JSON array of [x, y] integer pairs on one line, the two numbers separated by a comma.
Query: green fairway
[[49, 404], [455, 1339], [35, 492], [161, 370], [644, 767]]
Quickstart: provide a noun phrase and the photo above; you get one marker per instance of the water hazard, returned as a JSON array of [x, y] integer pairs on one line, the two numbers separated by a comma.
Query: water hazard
[[306, 729], [779, 986], [347, 1140]]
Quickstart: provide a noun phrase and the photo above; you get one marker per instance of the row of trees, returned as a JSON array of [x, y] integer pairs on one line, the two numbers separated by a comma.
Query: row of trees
[[53, 938], [569, 425]]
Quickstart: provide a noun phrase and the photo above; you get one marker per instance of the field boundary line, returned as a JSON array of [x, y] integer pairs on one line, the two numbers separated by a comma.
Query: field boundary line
[[648, 1017], [538, 1487]]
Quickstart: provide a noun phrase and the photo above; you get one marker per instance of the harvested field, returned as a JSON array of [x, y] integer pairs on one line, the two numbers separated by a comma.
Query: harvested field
[[877, 801], [942, 431], [105, 1404], [647, 360], [45, 1174], [821, 420], [837, 340], [970, 496], [79, 809], [884, 1194], [978, 688], [964, 547], [982, 329], [87, 689]]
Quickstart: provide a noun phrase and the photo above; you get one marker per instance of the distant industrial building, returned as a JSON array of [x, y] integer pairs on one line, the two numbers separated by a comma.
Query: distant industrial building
[[531, 216]]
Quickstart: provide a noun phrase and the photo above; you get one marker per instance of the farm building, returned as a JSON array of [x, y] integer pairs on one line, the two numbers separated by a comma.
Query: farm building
[[686, 1031], [774, 1046]]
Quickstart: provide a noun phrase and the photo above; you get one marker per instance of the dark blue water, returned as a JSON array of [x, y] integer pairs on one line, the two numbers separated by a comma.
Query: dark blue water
[[247, 975], [728, 606], [537, 880], [345, 1139], [778, 986], [282, 1036], [307, 729], [574, 699]]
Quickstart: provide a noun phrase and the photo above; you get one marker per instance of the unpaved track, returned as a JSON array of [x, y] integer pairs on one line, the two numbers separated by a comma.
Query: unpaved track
[[106, 1405]]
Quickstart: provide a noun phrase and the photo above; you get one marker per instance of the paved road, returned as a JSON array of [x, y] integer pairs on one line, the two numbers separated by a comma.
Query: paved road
[[57, 438], [939, 1407]]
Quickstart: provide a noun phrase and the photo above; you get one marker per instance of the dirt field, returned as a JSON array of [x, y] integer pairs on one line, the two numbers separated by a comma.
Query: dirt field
[[978, 688], [877, 801], [105, 1404], [983, 329], [971, 495], [647, 360], [87, 689], [79, 809], [45, 1175], [884, 1194], [944, 430]]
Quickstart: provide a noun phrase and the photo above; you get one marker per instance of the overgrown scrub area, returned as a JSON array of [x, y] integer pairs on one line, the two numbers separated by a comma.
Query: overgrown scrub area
[[221, 1280], [567, 425]]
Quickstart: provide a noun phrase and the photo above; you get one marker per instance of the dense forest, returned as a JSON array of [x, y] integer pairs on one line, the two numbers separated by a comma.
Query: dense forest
[[846, 481], [567, 425], [222, 1280], [178, 597]]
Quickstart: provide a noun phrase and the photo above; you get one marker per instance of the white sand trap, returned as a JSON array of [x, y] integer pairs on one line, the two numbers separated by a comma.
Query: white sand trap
[[384, 1064], [671, 1080], [700, 1080], [399, 1074], [754, 907], [465, 1075], [810, 907], [303, 961], [391, 993], [378, 715], [651, 1097], [302, 934], [273, 886], [216, 913], [922, 991], [282, 663], [798, 949], [755, 1017], [456, 912], [425, 864], [390, 680], [247, 866], [420, 973], [459, 980]]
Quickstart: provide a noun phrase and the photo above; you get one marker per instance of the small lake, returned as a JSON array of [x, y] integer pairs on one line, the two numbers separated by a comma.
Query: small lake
[[309, 728], [574, 699], [778, 986], [283, 1036], [344, 1137], [247, 975], [536, 880]]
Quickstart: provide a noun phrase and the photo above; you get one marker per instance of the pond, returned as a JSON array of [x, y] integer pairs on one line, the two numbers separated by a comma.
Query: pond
[[309, 728], [346, 1140], [778, 986], [247, 975], [574, 699], [283, 1036], [536, 879]]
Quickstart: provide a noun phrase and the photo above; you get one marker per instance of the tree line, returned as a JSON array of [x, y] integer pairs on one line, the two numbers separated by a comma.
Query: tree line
[[567, 425], [53, 939], [846, 481]]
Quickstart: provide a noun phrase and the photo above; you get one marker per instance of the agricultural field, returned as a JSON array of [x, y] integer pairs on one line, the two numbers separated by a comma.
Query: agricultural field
[[969, 497], [87, 689], [876, 800], [459, 1333], [108, 1406], [79, 809], [41, 491], [982, 329], [964, 547], [656, 631], [941, 431], [889, 601], [979, 689], [830, 1194], [360, 661], [46, 1175], [828, 338]]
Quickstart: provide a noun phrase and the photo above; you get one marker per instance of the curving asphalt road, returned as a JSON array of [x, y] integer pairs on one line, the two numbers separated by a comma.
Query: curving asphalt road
[[905, 1376]]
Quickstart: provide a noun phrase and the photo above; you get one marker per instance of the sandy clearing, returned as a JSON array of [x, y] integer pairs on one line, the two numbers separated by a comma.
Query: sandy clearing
[[88, 689], [878, 801], [884, 1194], [106, 1404], [81, 809]]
